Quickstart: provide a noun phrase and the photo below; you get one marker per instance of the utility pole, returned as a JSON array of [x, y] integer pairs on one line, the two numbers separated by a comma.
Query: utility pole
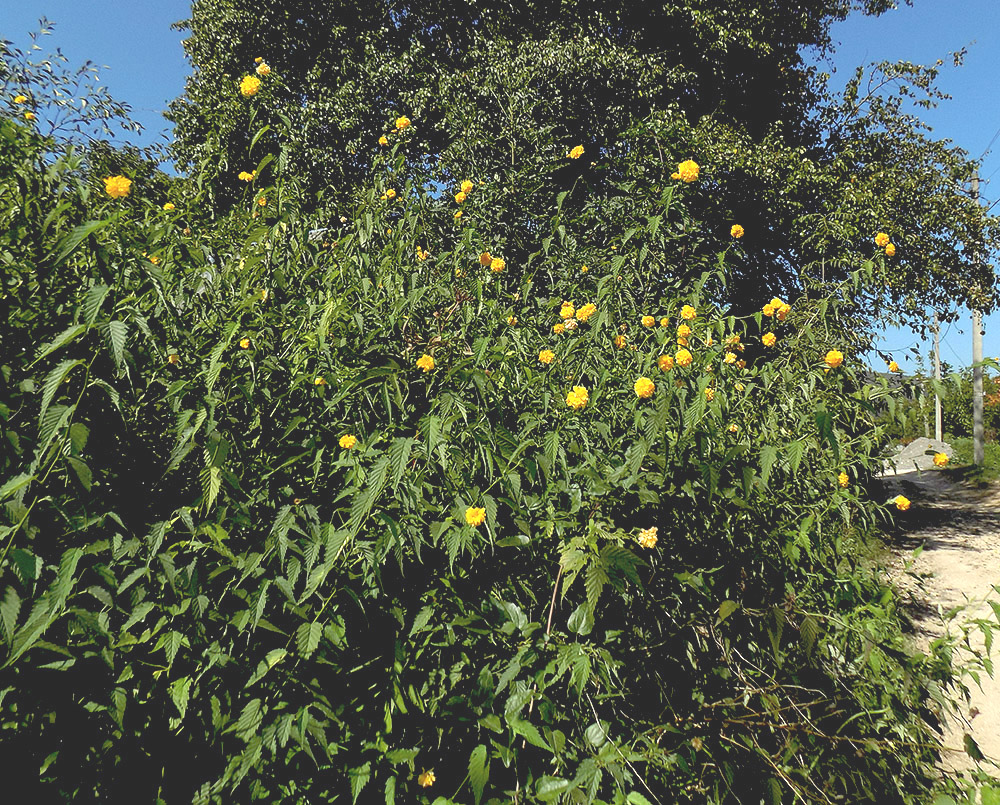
[[938, 431], [978, 449]]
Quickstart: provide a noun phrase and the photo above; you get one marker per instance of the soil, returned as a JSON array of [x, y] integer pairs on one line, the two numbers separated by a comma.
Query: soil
[[956, 574]]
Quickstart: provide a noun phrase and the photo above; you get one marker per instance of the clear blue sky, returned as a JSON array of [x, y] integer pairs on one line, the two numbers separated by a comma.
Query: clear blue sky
[[147, 69]]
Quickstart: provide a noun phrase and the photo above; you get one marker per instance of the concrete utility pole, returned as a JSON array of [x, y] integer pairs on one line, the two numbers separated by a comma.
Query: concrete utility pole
[[978, 449], [938, 431]]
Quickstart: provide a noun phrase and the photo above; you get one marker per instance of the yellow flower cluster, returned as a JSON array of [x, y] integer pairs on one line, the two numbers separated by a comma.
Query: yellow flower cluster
[[881, 240], [247, 176], [902, 503], [250, 85], [688, 313], [168, 207], [348, 441], [736, 231], [710, 394], [893, 366], [425, 362], [263, 68], [687, 171], [576, 152], [648, 321], [647, 537], [426, 779], [567, 311], [117, 186], [422, 253], [644, 388], [383, 140], [843, 480], [620, 341], [890, 250], [475, 517], [665, 363], [402, 123], [19, 99], [769, 339], [683, 357], [546, 356], [578, 398], [941, 459], [29, 116], [497, 264], [834, 358], [777, 308], [586, 311]]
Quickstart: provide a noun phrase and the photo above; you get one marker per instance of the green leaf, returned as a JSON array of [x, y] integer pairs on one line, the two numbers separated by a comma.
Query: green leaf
[[479, 771], [117, 332], [307, 637], [768, 455], [13, 484], [53, 381], [61, 340], [727, 608], [635, 798], [359, 777], [76, 236], [93, 301], [596, 735], [10, 608], [180, 692]]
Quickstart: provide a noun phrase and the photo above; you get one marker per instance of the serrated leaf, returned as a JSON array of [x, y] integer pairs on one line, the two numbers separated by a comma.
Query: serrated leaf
[[76, 236], [249, 719], [13, 484], [52, 383], [180, 692], [93, 301], [768, 455], [117, 332], [359, 777], [727, 608], [595, 735], [10, 608], [479, 771], [61, 340], [307, 638], [399, 455], [138, 614], [809, 632]]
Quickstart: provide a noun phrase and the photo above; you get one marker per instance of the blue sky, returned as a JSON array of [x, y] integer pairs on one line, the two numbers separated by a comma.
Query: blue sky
[[146, 68]]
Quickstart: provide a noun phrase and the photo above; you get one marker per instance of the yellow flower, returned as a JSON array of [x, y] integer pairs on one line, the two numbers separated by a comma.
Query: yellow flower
[[245, 343], [383, 140], [730, 357], [709, 341], [576, 152], [834, 358], [843, 480], [512, 321], [881, 240], [586, 311], [29, 116], [740, 387], [458, 215], [467, 187], [154, 259], [893, 366], [664, 322], [19, 99], [485, 259], [567, 311], [262, 202], [665, 362], [402, 122], [682, 342], [475, 517], [647, 537], [768, 310], [264, 294], [584, 269], [425, 362], [902, 503], [742, 364], [941, 459], [890, 250], [258, 60], [117, 186], [577, 398], [648, 321], [776, 303], [426, 779], [620, 341], [347, 441], [558, 328], [683, 331], [459, 198], [546, 356], [736, 231], [390, 194], [246, 176], [263, 69], [168, 207], [683, 357], [688, 313], [710, 394], [644, 388], [250, 85], [732, 427], [497, 265], [687, 171], [174, 358], [781, 312], [769, 339], [422, 254], [320, 381]]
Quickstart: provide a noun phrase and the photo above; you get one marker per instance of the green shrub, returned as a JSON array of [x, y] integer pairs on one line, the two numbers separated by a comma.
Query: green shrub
[[209, 595]]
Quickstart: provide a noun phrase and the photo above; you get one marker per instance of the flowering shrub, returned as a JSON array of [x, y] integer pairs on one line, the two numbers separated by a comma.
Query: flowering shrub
[[384, 555]]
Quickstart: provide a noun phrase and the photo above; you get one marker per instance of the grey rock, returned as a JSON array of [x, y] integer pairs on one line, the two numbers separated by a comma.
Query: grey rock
[[917, 456]]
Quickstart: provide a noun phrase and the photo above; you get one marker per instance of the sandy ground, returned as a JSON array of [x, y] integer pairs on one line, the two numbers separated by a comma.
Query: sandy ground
[[959, 529]]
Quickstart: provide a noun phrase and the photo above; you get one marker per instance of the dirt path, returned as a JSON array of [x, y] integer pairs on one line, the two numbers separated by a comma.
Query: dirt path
[[959, 529]]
